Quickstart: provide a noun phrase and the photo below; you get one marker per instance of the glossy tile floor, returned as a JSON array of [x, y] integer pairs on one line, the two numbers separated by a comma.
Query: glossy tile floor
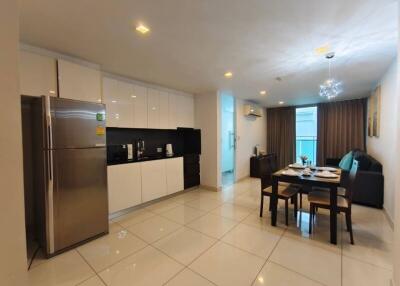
[[217, 238]]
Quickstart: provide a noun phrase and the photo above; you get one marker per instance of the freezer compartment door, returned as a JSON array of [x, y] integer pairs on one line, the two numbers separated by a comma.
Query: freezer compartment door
[[76, 124], [80, 203]]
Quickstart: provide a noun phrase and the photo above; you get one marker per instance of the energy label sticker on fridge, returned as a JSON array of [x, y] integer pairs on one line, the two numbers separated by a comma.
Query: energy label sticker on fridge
[[100, 130]]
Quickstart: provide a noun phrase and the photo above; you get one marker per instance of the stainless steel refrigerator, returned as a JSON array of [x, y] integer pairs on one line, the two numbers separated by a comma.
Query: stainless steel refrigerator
[[70, 172]]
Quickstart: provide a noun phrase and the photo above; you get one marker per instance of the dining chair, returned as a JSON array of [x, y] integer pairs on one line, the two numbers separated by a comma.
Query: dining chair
[[286, 191], [321, 199]]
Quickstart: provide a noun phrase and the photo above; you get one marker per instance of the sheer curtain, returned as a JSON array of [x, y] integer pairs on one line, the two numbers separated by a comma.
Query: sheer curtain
[[341, 128], [281, 134]]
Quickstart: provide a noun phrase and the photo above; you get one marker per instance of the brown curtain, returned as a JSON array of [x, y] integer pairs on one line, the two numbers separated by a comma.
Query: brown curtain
[[281, 134], [341, 128]]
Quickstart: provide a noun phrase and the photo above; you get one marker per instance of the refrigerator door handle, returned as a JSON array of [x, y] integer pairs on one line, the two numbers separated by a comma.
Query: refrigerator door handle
[[50, 183]]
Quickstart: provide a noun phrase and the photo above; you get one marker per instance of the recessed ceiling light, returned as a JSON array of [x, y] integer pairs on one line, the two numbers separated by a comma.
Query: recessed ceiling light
[[133, 96], [142, 29], [113, 101], [281, 102], [263, 92], [52, 91], [322, 50], [99, 100], [228, 74]]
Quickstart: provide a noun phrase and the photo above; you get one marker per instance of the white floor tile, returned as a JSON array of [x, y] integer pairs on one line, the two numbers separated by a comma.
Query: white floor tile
[[153, 228], [94, 281], [107, 250], [226, 265], [357, 273], [184, 245], [162, 206], [133, 217], [183, 214], [252, 239], [188, 277], [144, 268], [204, 204], [317, 263], [232, 211], [212, 225], [275, 275], [68, 269]]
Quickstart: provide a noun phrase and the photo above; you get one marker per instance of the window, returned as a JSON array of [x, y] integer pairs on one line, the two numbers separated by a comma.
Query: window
[[306, 133]]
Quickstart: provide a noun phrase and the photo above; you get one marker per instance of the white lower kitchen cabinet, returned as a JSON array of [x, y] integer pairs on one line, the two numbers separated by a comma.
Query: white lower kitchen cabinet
[[174, 168], [124, 186], [154, 180]]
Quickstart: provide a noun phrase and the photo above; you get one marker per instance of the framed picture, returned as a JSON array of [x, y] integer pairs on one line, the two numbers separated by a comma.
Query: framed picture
[[374, 108]]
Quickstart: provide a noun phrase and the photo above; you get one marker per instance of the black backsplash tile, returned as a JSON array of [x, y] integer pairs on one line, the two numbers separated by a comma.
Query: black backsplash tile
[[153, 138]]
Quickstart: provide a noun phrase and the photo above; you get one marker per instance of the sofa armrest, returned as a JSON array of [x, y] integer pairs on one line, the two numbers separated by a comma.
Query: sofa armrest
[[333, 162], [368, 188]]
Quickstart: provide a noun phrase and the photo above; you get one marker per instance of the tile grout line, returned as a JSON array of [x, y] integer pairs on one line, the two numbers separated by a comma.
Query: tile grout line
[[266, 261], [87, 262]]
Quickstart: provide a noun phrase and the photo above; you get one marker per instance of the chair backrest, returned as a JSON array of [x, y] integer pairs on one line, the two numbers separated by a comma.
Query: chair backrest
[[351, 180], [270, 164]]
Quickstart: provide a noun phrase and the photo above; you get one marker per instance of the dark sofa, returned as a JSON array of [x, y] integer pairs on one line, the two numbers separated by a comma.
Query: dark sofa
[[368, 188]]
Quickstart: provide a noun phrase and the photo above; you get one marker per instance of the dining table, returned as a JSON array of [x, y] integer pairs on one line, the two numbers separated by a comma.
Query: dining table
[[312, 180]]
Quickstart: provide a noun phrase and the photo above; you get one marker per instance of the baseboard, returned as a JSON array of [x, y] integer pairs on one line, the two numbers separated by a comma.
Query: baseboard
[[388, 218], [210, 188]]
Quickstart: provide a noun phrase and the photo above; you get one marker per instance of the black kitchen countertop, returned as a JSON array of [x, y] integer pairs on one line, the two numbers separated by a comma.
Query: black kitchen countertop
[[143, 159]]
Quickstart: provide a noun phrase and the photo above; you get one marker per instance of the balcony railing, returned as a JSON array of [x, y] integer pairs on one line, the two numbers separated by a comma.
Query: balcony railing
[[306, 145]]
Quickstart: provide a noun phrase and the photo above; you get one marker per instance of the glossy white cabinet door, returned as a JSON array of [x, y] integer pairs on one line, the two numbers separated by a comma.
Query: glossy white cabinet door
[[124, 186], [174, 168], [188, 111], [37, 74], [140, 107], [185, 111], [163, 110], [117, 95], [172, 112], [153, 110], [78, 82], [154, 180]]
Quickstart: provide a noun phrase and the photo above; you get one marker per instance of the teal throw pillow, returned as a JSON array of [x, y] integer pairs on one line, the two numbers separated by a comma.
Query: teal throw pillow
[[346, 162]]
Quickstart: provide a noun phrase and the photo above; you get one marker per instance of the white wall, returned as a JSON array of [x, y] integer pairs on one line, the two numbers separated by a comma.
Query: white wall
[[250, 131], [207, 119], [13, 261], [383, 147]]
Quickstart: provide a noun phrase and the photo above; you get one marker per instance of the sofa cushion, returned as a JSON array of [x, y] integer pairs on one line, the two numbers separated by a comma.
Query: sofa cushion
[[347, 161], [375, 166], [364, 161]]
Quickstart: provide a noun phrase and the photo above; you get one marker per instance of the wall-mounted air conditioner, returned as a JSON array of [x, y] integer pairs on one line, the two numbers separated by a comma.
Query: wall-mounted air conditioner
[[252, 110]]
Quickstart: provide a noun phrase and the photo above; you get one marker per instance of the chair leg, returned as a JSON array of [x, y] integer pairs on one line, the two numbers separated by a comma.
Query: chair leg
[[349, 226], [270, 206], [311, 218], [301, 200], [287, 211], [262, 205], [295, 206]]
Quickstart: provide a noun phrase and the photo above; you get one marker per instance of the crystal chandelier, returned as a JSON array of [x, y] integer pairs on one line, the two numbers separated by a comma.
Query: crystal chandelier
[[331, 87]]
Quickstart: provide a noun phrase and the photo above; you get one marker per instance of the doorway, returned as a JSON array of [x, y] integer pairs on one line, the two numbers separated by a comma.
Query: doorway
[[306, 134], [228, 139]]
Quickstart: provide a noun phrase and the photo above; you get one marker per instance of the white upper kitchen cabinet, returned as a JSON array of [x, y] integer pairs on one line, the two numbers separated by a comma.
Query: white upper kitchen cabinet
[[174, 168], [185, 111], [119, 99], [172, 111], [79, 82], [154, 180], [163, 110], [153, 108], [37, 74], [124, 186], [140, 106]]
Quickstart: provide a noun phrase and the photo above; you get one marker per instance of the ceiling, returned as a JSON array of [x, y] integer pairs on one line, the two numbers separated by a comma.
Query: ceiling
[[192, 43]]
